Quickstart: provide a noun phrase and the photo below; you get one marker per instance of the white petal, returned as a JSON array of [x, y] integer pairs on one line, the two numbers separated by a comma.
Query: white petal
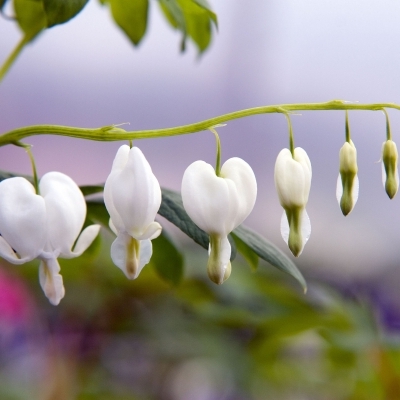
[[305, 228], [51, 281], [129, 259], [212, 202], [66, 210], [84, 241], [22, 218], [238, 171], [339, 188], [116, 223], [218, 267], [9, 254], [153, 231], [136, 194], [293, 178]]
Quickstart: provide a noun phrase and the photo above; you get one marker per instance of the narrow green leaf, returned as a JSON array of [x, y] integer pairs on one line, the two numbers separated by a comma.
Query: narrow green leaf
[[60, 11], [91, 189], [6, 175], [31, 17], [172, 209], [167, 260], [245, 250], [131, 17], [270, 253]]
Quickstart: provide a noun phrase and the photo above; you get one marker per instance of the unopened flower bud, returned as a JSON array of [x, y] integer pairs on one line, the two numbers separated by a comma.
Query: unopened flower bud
[[390, 174], [292, 182], [347, 184]]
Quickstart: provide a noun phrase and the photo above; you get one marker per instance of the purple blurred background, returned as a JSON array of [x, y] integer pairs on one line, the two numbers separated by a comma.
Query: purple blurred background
[[87, 74]]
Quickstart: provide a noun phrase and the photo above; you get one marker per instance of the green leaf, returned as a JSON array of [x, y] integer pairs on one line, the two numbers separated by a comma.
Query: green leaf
[[97, 213], [270, 253], [30, 16], [6, 175], [193, 18], [2, 4], [60, 11], [131, 17], [245, 250], [92, 189], [167, 260], [172, 209]]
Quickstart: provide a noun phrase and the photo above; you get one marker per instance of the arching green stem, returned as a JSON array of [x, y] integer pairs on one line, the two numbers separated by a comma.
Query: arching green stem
[[113, 133]]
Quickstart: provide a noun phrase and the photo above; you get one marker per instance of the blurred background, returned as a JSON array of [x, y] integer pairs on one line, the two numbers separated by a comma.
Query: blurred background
[[257, 336]]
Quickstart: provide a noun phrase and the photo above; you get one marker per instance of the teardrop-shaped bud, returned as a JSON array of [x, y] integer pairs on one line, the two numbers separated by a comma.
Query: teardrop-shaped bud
[[390, 174]]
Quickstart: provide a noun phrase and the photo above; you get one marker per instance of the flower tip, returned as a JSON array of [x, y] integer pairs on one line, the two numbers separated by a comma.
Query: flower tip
[[215, 275]]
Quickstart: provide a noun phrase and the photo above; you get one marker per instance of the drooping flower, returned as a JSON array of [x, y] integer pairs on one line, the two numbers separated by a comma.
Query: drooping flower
[[44, 226], [293, 181], [218, 204], [132, 196], [347, 184], [390, 174]]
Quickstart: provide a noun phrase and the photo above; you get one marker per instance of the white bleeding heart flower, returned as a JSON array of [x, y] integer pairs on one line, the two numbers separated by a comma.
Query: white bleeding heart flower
[[293, 181], [347, 184], [44, 226], [390, 173], [132, 196], [218, 204]]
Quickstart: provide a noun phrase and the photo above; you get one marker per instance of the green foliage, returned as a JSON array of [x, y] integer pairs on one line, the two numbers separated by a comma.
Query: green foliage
[[60, 11], [131, 17], [268, 252], [193, 18], [31, 17], [167, 260]]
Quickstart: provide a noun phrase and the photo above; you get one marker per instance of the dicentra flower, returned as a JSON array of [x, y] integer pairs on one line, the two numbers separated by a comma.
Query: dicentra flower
[[218, 204], [43, 226], [293, 181], [390, 174], [347, 183], [132, 196]]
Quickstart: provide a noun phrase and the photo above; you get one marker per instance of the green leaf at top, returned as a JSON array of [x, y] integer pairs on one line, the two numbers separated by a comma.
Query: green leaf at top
[[30, 16], [270, 253], [60, 11], [172, 209], [167, 260], [131, 17], [193, 18]]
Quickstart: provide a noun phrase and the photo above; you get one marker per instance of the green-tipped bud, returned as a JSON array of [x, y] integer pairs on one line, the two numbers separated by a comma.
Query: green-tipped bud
[[292, 182], [347, 185], [218, 269], [390, 175]]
